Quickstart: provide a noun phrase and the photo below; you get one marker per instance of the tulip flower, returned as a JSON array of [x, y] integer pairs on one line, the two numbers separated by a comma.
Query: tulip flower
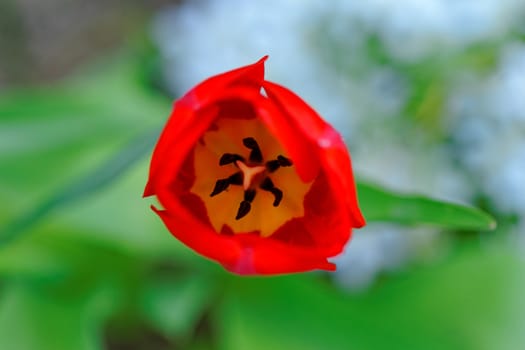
[[248, 175]]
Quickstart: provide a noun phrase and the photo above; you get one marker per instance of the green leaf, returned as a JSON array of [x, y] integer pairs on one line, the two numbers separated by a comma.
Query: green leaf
[[30, 319], [380, 205], [175, 306], [95, 180], [52, 141], [470, 301]]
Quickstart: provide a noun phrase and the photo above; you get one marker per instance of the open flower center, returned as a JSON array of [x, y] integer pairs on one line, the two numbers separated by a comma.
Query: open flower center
[[245, 180], [251, 176]]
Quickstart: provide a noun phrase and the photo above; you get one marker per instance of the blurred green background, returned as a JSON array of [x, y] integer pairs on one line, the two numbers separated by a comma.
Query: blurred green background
[[86, 86]]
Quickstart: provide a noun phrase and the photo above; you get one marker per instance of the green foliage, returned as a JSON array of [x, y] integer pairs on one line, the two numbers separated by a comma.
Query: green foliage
[[175, 306], [83, 262], [53, 142], [382, 205], [32, 320], [446, 306]]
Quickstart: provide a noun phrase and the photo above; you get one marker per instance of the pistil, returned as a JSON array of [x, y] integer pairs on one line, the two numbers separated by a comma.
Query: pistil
[[250, 173]]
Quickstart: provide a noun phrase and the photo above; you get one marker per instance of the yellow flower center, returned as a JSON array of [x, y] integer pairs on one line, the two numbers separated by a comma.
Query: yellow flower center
[[244, 178]]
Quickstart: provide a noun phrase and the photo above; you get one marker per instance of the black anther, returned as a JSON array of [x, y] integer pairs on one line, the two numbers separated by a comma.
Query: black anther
[[244, 209], [236, 179], [245, 206], [249, 142], [278, 194], [272, 165], [223, 184], [228, 158], [255, 154], [267, 185], [283, 161], [275, 164], [249, 195], [220, 185]]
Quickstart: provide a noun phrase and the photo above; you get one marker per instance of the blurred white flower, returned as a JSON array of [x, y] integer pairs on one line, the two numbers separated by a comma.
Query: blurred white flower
[[490, 127], [413, 29], [377, 248], [374, 248], [424, 171], [200, 39]]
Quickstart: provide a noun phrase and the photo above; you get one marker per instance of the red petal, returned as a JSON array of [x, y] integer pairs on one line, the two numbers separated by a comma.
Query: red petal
[[251, 75], [266, 256], [199, 237], [183, 119], [174, 145], [339, 167], [331, 150], [294, 139], [244, 254]]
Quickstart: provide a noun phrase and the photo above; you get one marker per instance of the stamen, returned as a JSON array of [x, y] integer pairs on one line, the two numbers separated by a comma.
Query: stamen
[[245, 206], [283, 161], [255, 154], [228, 158], [275, 164], [267, 185], [249, 195], [220, 185], [223, 184], [244, 209], [236, 179]]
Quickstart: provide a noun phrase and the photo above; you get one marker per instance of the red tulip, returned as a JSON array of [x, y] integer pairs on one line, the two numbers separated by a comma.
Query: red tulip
[[252, 177]]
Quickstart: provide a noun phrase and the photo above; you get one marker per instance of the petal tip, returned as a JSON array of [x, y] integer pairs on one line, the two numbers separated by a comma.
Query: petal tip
[[263, 59], [329, 266], [148, 191]]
